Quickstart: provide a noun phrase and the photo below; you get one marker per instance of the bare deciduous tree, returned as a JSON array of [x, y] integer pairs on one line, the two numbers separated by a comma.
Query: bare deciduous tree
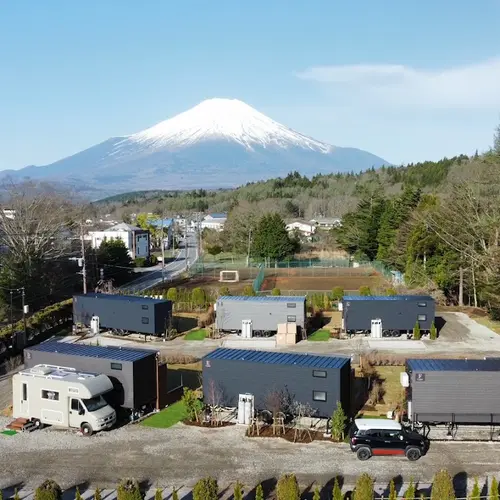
[[301, 411], [214, 399], [277, 402]]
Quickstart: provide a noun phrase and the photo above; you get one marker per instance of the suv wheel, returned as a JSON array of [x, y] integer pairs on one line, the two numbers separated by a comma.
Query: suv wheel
[[413, 454], [364, 453]]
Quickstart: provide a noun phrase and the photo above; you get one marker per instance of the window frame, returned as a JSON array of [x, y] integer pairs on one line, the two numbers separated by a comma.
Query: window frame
[[291, 305], [116, 366], [422, 304], [145, 307], [319, 400], [45, 392], [294, 320], [145, 320], [316, 372], [422, 317]]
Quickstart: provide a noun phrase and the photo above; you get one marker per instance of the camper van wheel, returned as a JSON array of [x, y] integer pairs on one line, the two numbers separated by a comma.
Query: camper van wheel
[[37, 423], [86, 430]]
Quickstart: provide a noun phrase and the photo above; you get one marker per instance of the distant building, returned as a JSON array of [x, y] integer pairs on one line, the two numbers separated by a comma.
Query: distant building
[[136, 239], [168, 227], [327, 223], [214, 221], [303, 228]]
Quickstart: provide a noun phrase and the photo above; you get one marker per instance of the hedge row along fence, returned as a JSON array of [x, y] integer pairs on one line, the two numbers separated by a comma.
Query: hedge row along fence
[[287, 488], [50, 317]]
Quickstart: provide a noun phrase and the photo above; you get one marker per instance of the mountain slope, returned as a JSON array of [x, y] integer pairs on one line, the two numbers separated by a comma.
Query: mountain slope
[[218, 143]]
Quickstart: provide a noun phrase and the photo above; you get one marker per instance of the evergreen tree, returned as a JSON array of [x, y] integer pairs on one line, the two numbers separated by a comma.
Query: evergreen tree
[[16, 495], [271, 240], [416, 331], [317, 494], [248, 291], [158, 494], [206, 489], [78, 496], [338, 422], [442, 486], [337, 492], [259, 493], [238, 491], [494, 489], [199, 297], [172, 294], [410, 492], [433, 331], [476, 491], [175, 494], [276, 292], [364, 488], [337, 293], [113, 257], [287, 488], [128, 489], [97, 494], [392, 491], [48, 490]]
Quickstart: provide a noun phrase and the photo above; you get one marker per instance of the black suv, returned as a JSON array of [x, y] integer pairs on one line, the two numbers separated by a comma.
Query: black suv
[[371, 437]]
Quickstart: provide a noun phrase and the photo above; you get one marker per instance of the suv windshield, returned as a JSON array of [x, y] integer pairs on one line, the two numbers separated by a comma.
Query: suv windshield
[[94, 404]]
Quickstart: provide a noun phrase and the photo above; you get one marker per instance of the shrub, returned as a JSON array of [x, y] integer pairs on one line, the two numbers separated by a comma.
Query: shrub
[[78, 496], [192, 404], [140, 262], [337, 492], [153, 260], [337, 293], [158, 494], [224, 291], [433, 332], [390, 292], [442, 486], [476, 492], [16, 495], [287, 488], [276, 292], [410, 492], [365, 291], [206, 489], [392, 491], [128, 489], [364, 488], [172, 294], [175, 495], [238, 491], [199, 297], [248, 291], [48, 490], [259, 493], [180, 359], [494, 489], [317, 494], [417, 335], [339, 419], [326, 302], [97, 494]]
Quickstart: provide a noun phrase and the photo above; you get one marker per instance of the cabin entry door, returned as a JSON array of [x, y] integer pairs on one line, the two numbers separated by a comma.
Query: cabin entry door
[[25, 409]]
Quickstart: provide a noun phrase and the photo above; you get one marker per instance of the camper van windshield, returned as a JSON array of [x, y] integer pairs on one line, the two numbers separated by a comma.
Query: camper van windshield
[[94, 404]]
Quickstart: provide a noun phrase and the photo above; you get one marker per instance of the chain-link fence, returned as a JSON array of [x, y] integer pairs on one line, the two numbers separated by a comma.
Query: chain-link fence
[[257, 282]]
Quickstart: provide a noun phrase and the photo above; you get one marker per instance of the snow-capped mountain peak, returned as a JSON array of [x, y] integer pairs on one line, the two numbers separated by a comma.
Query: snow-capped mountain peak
[[223, 119]]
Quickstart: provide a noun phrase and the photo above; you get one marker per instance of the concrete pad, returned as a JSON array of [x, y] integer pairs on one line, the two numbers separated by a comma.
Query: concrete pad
[[385, 344]]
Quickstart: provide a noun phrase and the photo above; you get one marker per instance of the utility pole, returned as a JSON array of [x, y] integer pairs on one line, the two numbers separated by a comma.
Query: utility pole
[[11, 313], [249, 245], [84, 268], [162, 250], [25, 310]]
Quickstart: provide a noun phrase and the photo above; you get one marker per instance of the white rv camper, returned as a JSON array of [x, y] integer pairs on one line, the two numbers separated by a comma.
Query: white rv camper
[[63, 397]]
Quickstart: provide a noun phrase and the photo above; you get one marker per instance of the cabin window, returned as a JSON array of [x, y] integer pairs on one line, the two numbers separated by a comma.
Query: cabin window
[[116, 366], [50, 395], [291, 305], [25, 392], [422, 304], [291, 319], [319, 373], [145, 321], [73, 390], [145, 307], [422, 317], [319, 396], [75, 405]]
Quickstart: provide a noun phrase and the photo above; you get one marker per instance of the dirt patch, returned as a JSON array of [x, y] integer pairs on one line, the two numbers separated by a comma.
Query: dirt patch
[[207, 425], [321, 283], [302, 437]]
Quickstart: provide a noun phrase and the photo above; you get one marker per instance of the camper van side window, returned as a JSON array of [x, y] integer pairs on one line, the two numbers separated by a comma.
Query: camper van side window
[[116, 366], [291, 305], [51, 395]]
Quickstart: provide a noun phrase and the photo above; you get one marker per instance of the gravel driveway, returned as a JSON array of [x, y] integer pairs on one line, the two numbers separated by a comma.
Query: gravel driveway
[[180, 455]]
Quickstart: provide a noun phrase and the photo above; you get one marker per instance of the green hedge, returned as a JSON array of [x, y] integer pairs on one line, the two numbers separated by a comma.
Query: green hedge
[[49, 317]]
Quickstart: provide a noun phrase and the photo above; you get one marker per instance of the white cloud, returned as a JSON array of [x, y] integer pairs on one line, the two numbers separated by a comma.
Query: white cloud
[[473, 87]]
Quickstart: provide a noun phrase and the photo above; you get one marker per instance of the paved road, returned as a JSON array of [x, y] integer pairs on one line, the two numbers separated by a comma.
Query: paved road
[[185, 257]]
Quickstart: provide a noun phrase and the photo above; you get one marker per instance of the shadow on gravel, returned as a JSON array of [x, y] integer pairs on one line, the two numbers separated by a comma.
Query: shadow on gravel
[[398, 484], [10, 491], [70, 493], [327, 489], [460, 484], [268, 485], [440, 322]]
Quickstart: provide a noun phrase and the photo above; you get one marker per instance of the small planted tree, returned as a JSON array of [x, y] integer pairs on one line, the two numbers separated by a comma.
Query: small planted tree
[[339, 419], [248, 291], [494, 489], [238, 491], [365, 291], [392, 491], [172, 294], [288, 488], [97, 494], [317, 494], [275, 402], [206, 489], [337, 293], [476, 491], [48, 490], [175, 495], [442, 486], [417, 335], [410, 492], [192, 404], [16, 495], [276, 292], [158, 494], [128, 489], [364, 488], [337, 492], [433, 332], [199, 297], [78, 496], [390, 292], [224, 291], [259, 492], [326, 302]]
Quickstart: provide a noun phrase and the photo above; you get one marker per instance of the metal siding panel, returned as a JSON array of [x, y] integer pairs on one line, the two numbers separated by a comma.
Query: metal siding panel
[[144, 381], [162, 315]]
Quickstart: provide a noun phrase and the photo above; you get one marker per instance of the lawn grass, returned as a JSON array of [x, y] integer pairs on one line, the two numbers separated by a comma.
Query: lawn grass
[[167, 417], [200, 334], [319, 336]]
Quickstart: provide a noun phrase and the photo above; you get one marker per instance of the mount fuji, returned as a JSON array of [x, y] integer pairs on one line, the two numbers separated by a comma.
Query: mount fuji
[[220, 143]]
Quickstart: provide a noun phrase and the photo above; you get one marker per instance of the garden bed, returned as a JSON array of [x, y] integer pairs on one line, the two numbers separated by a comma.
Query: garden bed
[[303, 436], [207, 425]]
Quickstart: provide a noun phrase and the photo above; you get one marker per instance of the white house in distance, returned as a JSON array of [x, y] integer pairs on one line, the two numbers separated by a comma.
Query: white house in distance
[[304, 228], [136, 239], [168, 228], [327, 223], [214, 221]]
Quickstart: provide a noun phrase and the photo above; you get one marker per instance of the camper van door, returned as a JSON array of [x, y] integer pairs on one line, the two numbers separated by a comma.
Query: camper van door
[[24, 407], [75, 413]]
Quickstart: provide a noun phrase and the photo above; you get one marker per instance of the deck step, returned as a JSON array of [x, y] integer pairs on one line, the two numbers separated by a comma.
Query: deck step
[[21, 424]]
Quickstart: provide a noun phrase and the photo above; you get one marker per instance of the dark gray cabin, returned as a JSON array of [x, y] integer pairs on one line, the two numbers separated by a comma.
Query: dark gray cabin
[[132, 371], [123, 312], [398, 313], [320, 381], [266, 312], [454, 391]]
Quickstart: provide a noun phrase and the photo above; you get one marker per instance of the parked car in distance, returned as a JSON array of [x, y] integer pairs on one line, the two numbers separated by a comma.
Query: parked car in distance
[[371, 437]]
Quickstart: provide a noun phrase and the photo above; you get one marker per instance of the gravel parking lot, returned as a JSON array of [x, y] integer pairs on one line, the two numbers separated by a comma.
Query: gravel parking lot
[[180, 455]]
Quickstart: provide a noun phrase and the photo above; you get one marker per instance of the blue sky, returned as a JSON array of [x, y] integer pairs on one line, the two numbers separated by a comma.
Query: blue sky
[[407, 81]]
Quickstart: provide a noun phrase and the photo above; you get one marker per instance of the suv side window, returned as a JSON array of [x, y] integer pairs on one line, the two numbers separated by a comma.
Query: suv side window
[[392, 434]]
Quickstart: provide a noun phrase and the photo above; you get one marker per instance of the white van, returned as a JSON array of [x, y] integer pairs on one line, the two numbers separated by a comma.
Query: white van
[[63, 397]]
